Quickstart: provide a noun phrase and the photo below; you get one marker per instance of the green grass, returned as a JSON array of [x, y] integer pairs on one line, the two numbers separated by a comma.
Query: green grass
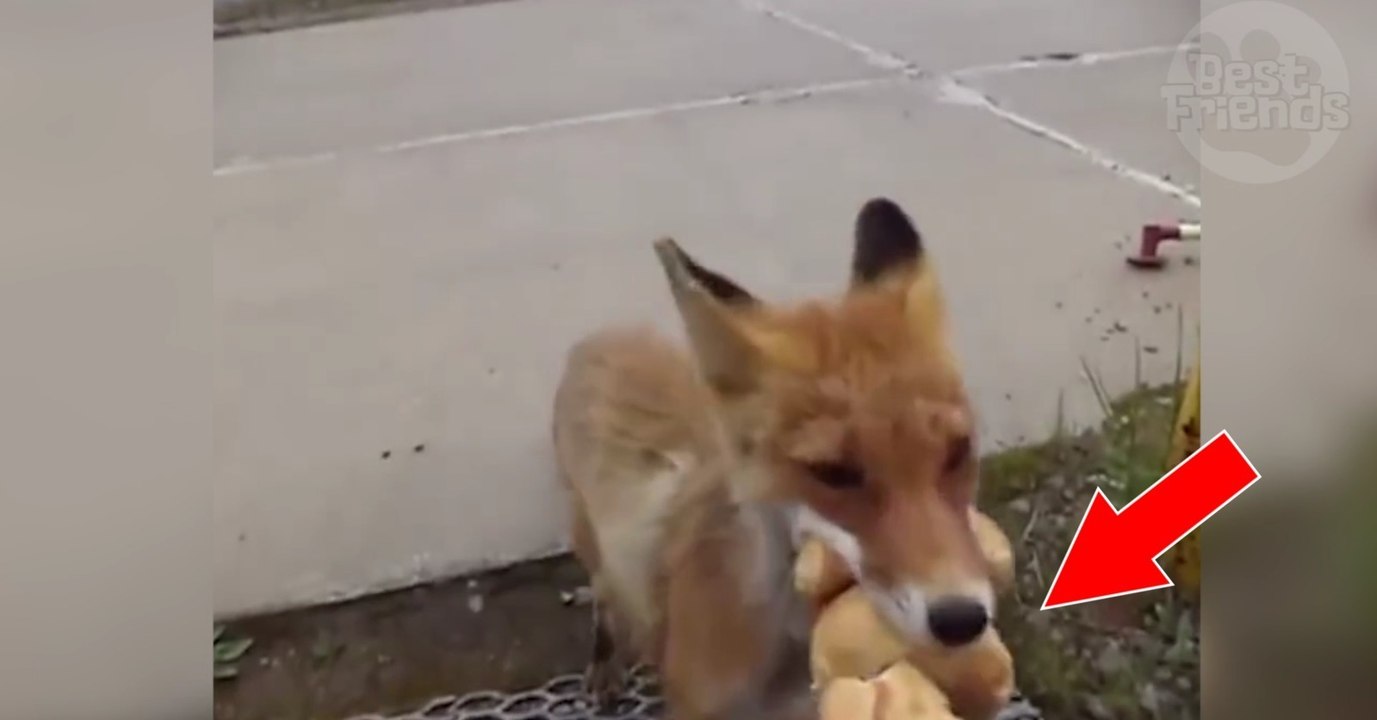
[[1123, 455]]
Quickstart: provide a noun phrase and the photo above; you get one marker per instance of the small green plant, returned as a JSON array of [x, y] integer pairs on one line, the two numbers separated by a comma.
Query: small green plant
[[228, 652], [1136, 433]]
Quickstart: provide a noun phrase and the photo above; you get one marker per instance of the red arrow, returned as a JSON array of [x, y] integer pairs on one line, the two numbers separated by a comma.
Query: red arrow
[[1114, 552]]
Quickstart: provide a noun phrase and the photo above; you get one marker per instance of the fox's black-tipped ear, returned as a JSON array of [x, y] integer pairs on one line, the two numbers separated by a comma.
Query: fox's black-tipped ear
[[886, 242], [712, 308], [683, 271]]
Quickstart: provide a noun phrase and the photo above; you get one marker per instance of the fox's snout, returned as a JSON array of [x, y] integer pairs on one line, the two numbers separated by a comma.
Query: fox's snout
[[950, 618], [952, 613]]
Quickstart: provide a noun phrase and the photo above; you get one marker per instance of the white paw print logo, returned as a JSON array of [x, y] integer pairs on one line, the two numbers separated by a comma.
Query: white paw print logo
[[1262, 95]]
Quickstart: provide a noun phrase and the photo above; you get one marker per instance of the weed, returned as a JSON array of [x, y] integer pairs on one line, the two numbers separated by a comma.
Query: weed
[[228, 652]]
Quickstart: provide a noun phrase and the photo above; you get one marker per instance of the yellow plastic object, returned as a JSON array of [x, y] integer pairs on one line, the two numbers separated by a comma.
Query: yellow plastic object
[[1185, 557]]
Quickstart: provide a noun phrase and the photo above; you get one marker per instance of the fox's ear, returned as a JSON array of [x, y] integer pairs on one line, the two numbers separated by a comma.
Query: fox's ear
[[716, 313], [887, 244], [890, 254]]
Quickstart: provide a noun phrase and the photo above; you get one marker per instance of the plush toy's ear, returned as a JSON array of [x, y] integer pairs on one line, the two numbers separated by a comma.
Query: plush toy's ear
[[819, 573], [994, 545]]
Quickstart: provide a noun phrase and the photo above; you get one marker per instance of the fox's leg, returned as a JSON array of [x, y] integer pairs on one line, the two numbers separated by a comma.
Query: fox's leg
[[606, 677], [801, 706], [608, 671], [717, 650]]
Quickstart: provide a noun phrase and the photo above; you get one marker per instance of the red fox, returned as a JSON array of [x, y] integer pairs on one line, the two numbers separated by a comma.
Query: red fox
[[695, 476]]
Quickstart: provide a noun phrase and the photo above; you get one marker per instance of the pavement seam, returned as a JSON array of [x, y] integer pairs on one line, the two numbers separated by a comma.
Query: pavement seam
[[953, 90], [873, 56], [896, 69], [238, 166], [1076, 60]]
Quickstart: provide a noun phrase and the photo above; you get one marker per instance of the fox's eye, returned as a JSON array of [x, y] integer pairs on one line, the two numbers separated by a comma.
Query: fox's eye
[[837, 474], [957, 454]]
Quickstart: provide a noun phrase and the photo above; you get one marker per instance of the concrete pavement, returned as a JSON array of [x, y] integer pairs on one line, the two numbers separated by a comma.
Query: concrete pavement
[[416, 215]]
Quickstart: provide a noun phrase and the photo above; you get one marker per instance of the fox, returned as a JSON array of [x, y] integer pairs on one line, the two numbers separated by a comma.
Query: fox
[[694, 475]]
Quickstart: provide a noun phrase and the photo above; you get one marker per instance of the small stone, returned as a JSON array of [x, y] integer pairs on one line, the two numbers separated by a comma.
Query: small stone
[[1150, 698], [1162, 674], [475, 604], [1055, 482], [1112, 659], [579, 596], [1183, 683], [1020, 506], [1096, 708]]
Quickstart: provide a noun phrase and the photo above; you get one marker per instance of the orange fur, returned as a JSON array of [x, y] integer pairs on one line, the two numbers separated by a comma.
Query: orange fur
[[688, 474]]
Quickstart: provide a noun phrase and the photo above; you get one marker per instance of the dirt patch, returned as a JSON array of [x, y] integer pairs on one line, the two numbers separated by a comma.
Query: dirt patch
[[245, 17], [505, 630]]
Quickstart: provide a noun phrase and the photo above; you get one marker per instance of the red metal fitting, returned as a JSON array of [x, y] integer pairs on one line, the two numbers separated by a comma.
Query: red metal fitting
[[1154, 235]]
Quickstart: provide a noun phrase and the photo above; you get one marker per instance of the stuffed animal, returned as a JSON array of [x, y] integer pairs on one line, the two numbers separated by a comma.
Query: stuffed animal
[[867, 673]]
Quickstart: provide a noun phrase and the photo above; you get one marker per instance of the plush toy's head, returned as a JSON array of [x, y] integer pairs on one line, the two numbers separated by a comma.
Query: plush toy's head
[[859, 660]]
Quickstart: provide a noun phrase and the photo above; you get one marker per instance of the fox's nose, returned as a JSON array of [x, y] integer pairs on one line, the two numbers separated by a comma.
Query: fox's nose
[[957, 620]]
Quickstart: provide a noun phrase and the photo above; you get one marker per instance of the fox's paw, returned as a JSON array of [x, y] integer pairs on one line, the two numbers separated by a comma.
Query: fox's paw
[[606, 682]]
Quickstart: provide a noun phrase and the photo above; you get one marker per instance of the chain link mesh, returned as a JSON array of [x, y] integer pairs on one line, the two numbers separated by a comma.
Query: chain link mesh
[[562, 698]]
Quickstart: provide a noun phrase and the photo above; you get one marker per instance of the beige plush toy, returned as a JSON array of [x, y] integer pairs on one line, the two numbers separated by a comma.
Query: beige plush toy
[[866, 673]]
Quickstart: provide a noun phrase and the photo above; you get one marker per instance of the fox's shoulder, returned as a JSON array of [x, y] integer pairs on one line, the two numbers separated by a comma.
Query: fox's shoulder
[[631, 388]]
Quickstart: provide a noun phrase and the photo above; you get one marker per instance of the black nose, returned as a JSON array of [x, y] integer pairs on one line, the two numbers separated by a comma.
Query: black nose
[[957, 621]]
